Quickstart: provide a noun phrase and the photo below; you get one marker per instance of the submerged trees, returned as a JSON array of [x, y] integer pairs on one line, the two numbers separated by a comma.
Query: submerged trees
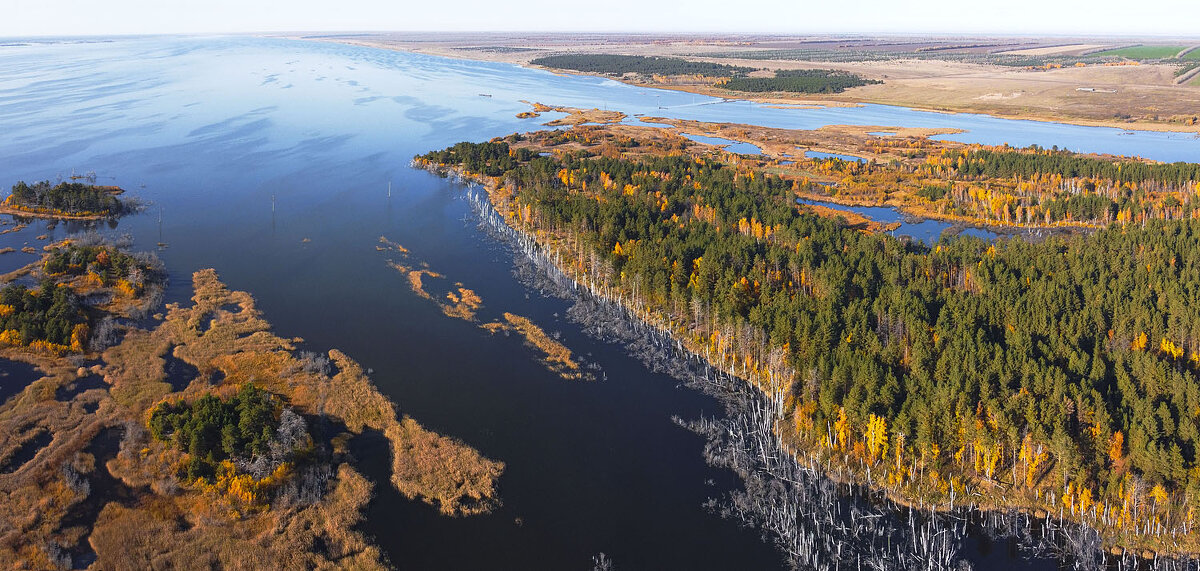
[[1062, 372]]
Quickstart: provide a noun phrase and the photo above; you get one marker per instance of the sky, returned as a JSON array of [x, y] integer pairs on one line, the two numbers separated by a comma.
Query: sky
[[1009, 17]]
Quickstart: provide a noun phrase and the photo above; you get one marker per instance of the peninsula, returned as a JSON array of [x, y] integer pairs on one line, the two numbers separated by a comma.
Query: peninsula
[[1055, 376]]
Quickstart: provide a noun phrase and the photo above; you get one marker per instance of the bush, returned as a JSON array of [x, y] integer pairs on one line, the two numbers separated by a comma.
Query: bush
[[211, 430]]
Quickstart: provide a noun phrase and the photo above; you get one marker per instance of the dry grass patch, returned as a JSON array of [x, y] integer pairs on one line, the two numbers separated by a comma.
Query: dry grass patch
[[457, 479], [166, 523], [556, 356], [465, 303], [575, 115]]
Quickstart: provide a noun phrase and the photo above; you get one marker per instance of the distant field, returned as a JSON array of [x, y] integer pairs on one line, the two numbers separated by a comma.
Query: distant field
[[1053, 50], [1192, 55], [497, 49], [1144, 52], [1008, 59]]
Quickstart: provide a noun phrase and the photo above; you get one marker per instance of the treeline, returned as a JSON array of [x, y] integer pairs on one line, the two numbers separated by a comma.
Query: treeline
[[799, 81], [491, 159], [1038, 161], [1067, 366], [70, 198], [48, 314], [622, 64]]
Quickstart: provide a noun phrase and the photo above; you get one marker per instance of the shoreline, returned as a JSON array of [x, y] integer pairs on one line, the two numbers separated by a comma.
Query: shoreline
[[985, 498], [802, 100], [6, 209]]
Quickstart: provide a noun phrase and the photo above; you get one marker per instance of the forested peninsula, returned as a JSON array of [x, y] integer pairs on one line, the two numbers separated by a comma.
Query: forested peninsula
[[1057, 375]]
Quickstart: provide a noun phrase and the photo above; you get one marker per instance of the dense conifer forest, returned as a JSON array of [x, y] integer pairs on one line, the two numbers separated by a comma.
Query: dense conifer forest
[[46, 313], [1063, 371], [211, 430]]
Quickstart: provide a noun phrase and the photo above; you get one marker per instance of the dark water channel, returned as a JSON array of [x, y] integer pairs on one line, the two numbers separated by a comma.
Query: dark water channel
[[15, 376], [270, 161]]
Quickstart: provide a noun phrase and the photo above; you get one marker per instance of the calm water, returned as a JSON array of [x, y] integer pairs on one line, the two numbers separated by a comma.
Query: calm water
[[822, 155], [213, 131], [923, 230], [727, 144], [15, 376]]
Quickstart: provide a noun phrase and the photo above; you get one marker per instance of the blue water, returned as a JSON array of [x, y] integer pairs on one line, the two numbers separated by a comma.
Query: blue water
[[821, 155], [728, 144], [927, 231], [269, 160]]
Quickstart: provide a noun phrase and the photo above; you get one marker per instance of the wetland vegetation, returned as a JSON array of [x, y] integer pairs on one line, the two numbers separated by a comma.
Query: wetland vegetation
[[257, 437]]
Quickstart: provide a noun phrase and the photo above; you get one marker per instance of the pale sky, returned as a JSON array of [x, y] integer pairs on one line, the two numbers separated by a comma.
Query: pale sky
[[1015, 17]]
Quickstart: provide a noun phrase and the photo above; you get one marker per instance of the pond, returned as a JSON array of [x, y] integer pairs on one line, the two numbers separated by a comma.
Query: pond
[[821, 155], [727, 144], [15, 376], [927, 231]]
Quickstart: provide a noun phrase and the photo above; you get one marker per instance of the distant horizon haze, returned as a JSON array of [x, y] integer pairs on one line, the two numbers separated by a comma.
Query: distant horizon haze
[[1040, 18]]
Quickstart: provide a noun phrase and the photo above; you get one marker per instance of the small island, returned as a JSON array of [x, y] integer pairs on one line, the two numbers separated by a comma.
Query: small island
[[66, 200]]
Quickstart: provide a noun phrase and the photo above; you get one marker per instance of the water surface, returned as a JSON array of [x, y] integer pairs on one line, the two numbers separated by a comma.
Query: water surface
[[822, 155], [727, 144], [925, 230], [270, 160]]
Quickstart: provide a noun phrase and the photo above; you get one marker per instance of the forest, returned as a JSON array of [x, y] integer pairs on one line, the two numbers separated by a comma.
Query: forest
[[47, 314], [645, 65], [1063, 372], [211, 430], [55, 316], [1034, 160], [106, 264], [799, 81], [69, 198]]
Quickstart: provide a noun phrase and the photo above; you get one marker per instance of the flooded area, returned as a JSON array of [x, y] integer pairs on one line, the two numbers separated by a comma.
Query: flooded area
[[281, 163]]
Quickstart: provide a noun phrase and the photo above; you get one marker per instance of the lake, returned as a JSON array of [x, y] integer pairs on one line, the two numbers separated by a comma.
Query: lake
[[270, 160]]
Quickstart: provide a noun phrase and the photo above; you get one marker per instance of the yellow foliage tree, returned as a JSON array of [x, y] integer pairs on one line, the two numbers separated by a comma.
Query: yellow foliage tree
[[841, 428], [1159, 494], [876, 436], [1116, 446]]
